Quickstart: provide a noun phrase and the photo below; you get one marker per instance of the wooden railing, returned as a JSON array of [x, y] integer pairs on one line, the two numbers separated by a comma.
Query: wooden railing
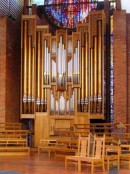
[[10, 126]]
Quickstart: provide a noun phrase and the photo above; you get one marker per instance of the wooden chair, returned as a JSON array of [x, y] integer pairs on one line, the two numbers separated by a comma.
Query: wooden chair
[[83, 151], [112, 155], [97, 158], [125, 154]]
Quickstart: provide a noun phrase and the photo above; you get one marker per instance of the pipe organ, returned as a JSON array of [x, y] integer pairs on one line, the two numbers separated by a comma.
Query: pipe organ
[[28, 54], [63, 74]]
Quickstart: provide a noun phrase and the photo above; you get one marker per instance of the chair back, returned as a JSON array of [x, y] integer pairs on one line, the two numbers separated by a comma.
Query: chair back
[[99, 147], [84, 146]]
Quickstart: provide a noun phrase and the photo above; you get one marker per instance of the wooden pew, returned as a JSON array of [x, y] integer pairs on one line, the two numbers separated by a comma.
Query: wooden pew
[[59, 147], [47, 145], [14, 146], [66, 147], [14, 142], [13, 133], [10, 126]]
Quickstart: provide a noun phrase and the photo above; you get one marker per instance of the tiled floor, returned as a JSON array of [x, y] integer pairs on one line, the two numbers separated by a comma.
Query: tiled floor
[[41, 164]]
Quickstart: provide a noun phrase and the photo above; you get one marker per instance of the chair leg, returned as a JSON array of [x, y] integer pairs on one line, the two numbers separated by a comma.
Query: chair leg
[[129, 163], [118, 164], [79, 165], [103, 166], [92, 167], [65, 163], [108, 164]]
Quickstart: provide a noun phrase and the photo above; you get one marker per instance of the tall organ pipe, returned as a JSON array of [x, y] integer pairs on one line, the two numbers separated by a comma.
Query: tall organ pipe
[[82, 78], [91, 80], [38, 74], [33, 77], [95, 74], [42, 73], [86, 75], [100, 65], [25, 24], [29, 74]]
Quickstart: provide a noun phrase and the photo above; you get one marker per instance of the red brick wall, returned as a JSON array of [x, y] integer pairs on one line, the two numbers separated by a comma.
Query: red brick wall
[[128, 55], [2, 67], [9, 71], [120, 67]]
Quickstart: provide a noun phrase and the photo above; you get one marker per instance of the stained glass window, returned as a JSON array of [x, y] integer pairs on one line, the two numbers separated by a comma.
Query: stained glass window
[[66, 13], [38, 2]]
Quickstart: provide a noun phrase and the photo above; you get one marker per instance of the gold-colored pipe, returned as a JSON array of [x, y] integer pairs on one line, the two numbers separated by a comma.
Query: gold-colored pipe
[[25, 25], [95, 74], [100, 65], [29, 74], [38, 70], [82, 78], [91, 80], [42, 76], [86, 75], [33, 79], [79, 99], [45, 100]]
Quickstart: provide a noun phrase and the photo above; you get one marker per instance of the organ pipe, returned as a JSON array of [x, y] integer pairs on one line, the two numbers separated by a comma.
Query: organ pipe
[[29, 74], [41, 86], [45, 99], [82, 78], [91, 80], [33, 78], [100, 65], [25, 25], [86, 75], [76, 63], [95, 74], [38, 72], [61, 61]]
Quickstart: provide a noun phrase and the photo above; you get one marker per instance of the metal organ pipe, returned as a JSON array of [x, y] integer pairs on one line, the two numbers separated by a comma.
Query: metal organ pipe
[[61, 60], [76, 63], [100, 66], [42, 73], [95, 74], [91, 80], [38, 74], [45, 102], [83, 79], [86, 76], [29, 74], [33, 78], [25, 26]]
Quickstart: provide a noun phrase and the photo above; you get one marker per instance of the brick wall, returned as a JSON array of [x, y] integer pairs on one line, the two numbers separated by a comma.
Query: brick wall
[[120, 67], [2, 67], [128, 56], [9, 71]]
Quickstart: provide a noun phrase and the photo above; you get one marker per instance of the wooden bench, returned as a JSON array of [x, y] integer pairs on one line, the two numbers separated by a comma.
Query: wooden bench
[[58, 147], [13, 133], [10, 126], [47, 145], [9, 146]]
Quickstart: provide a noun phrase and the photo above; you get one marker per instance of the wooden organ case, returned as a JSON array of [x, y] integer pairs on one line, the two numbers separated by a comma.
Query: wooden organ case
[[62, 75]]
